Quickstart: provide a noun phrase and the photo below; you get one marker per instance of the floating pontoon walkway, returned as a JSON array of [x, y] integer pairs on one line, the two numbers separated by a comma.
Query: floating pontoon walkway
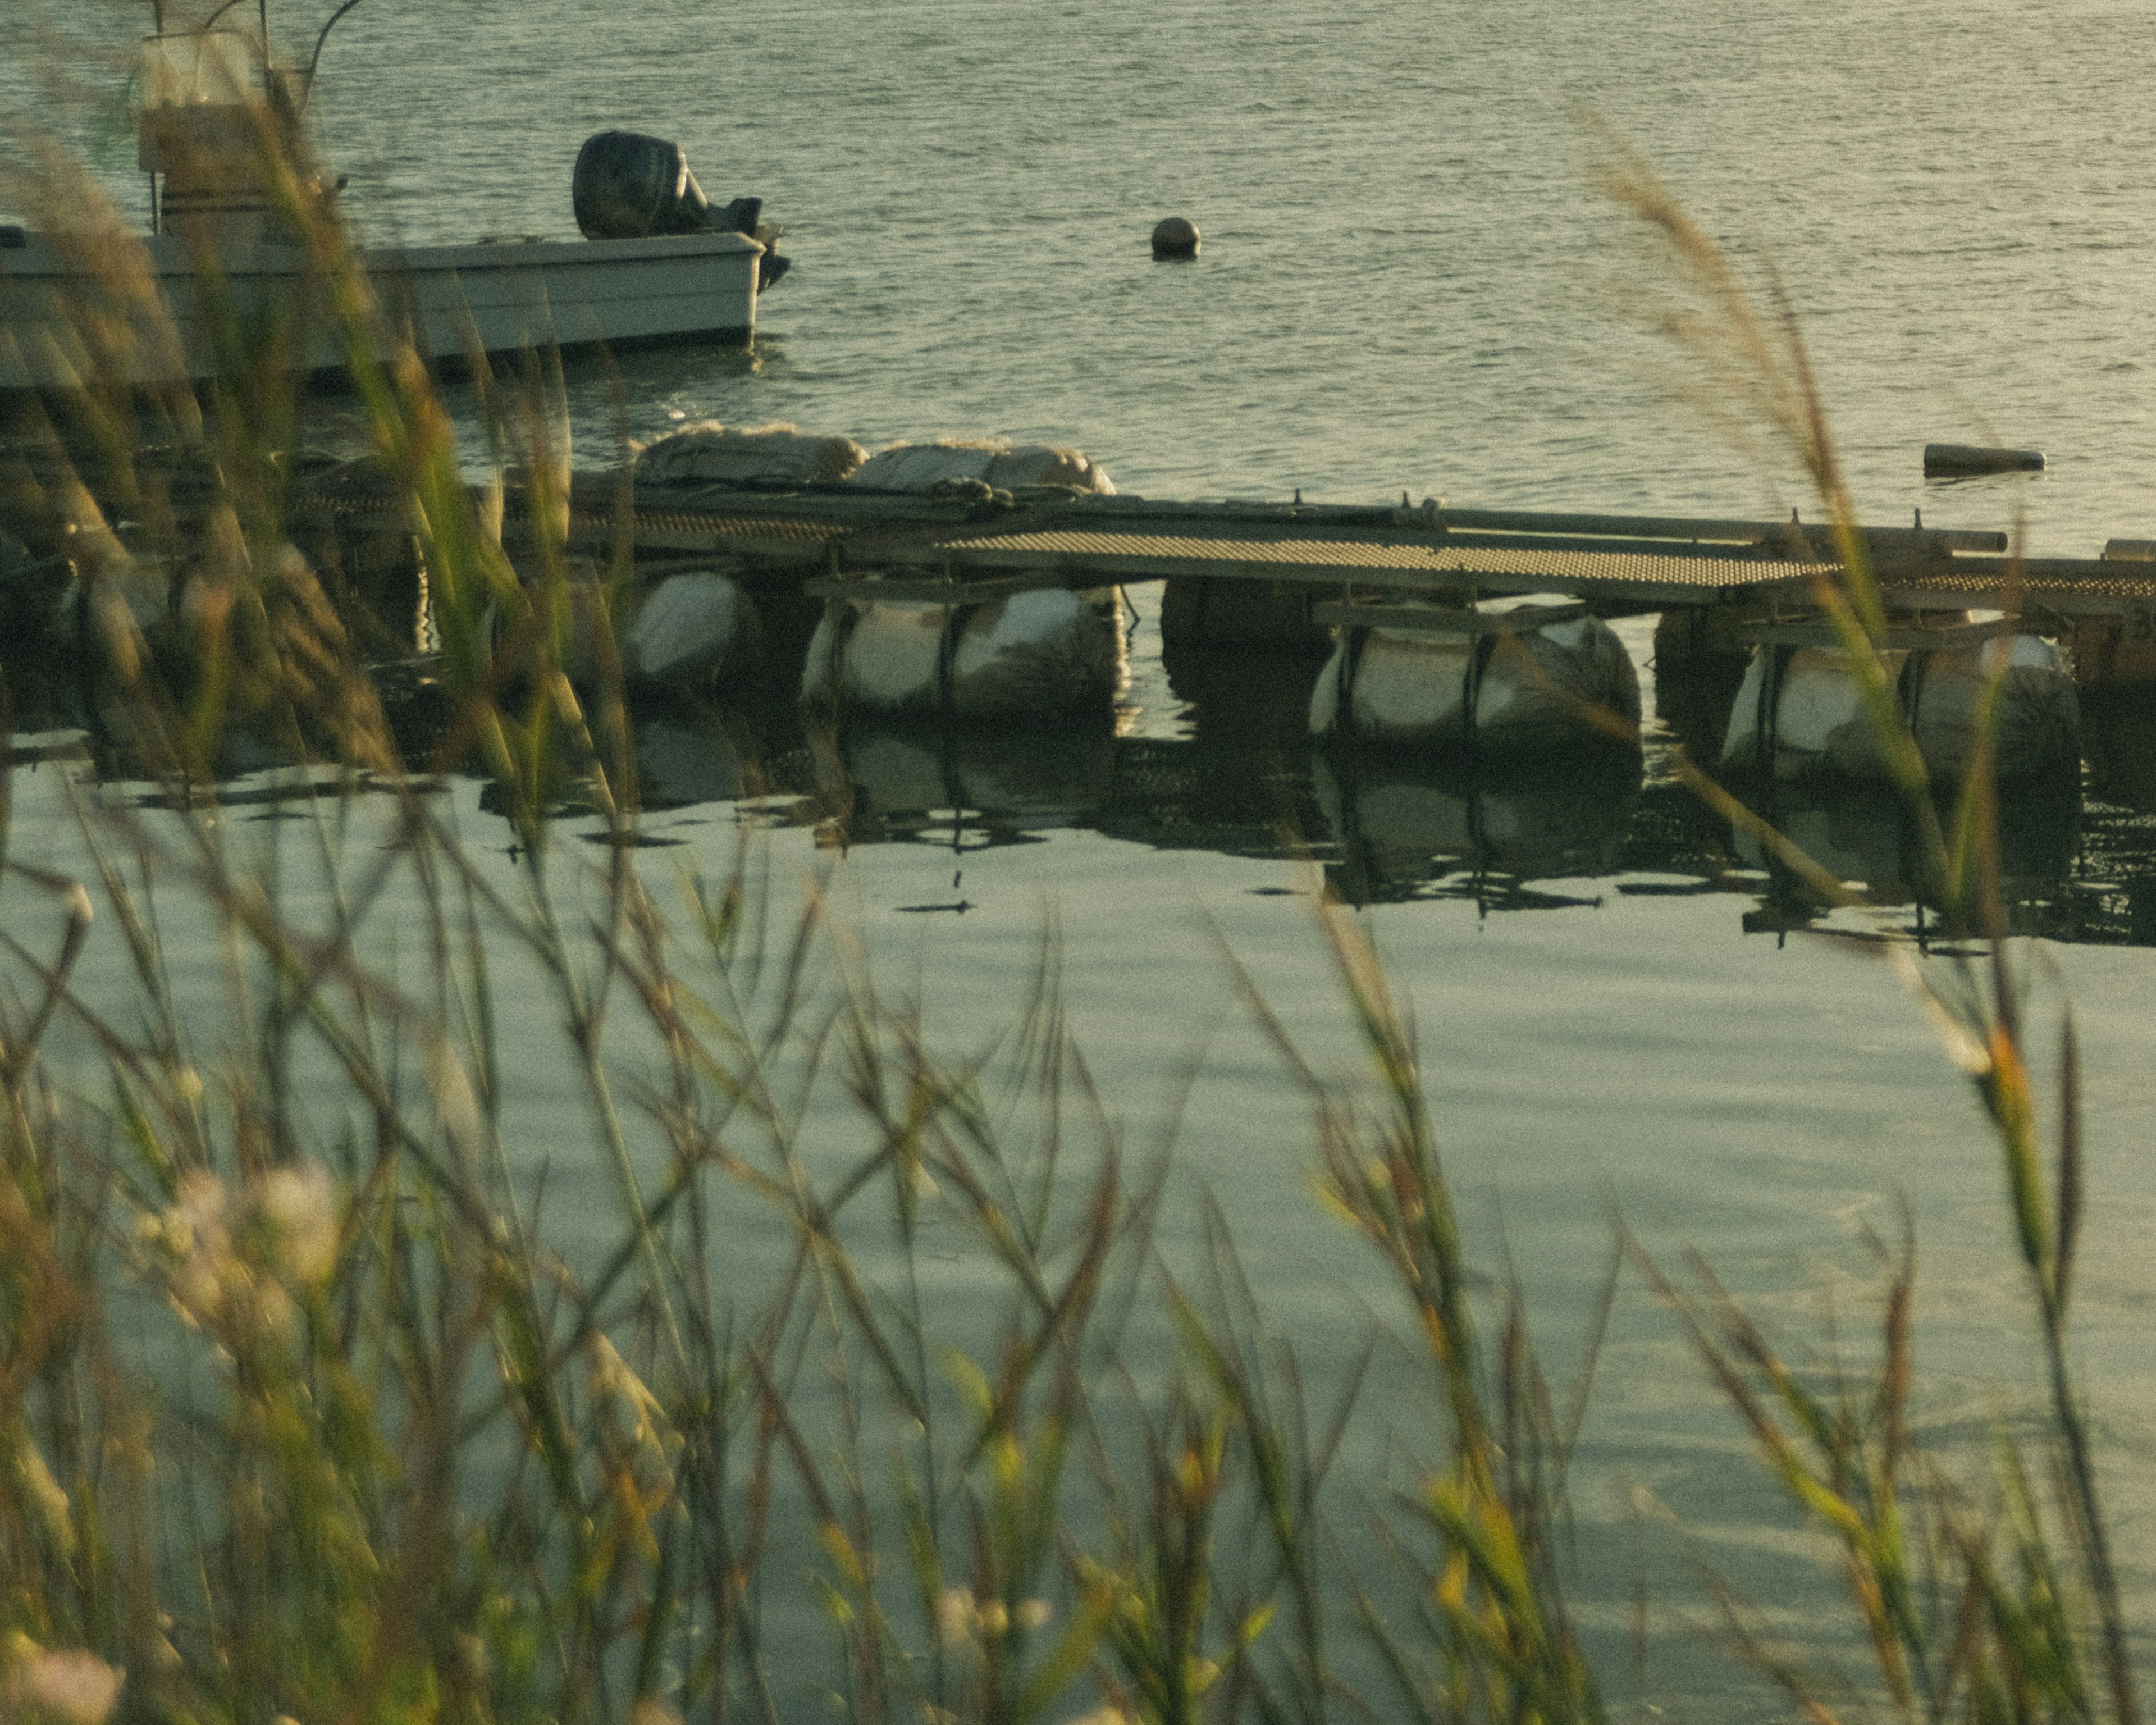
[[1615, 564]]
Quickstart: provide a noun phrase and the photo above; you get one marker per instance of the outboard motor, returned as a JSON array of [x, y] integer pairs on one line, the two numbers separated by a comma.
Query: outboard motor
[[629, 186]]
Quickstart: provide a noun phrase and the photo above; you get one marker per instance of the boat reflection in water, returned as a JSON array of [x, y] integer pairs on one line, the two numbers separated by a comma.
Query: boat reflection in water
[[1408, 828]]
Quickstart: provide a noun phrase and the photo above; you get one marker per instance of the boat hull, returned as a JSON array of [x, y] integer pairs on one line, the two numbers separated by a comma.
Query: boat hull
[[68, 318]]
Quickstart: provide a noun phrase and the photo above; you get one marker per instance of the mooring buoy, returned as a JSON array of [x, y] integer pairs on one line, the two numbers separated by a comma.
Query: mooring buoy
[[1175, 237], [1942, 459]]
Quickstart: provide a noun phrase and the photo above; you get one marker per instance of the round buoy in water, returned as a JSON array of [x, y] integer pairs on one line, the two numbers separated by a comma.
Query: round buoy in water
[[1175, 237]]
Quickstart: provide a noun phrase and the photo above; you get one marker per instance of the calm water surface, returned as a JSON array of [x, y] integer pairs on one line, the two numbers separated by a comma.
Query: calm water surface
[[1410, 281]]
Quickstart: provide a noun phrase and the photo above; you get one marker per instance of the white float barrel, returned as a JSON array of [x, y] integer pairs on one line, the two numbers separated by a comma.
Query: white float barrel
[[921, 467], [1539, 691], [708, 453], [1798, 713], [1037, 654], [686, 629]]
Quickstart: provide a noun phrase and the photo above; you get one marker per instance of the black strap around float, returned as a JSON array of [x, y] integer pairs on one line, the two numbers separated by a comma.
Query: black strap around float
[[1471, 689], [946, 653], [843, 624], [1909, 685], [1352, 640], [1766, 721]]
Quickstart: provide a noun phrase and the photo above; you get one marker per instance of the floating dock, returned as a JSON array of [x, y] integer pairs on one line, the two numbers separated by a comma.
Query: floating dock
[[1616, 565]]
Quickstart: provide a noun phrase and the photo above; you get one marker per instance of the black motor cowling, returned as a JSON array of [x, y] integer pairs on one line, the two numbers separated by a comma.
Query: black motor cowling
[[631, 187]]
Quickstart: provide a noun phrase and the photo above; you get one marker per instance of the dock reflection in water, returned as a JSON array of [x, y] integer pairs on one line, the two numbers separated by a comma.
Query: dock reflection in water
[[1866, 838], [1244, 779], [966, 786], [1238, 784], [1405, 828]]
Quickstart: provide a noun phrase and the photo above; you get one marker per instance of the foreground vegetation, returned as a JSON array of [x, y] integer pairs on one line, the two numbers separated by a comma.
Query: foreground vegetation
[[306, 1414]]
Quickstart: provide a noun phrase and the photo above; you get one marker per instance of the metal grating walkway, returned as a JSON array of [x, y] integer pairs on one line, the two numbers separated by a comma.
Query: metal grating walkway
[[1452, 563], [839, 534]]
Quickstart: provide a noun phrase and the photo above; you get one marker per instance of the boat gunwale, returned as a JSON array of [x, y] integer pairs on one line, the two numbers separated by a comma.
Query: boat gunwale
[[23, 263]]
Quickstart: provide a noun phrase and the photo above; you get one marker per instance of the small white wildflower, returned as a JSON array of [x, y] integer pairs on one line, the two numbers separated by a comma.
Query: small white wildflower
[[45, 1492], [70, 1685], [202, 1206], [299, 1202], [1034, 1614], [275, 1316], [455, 1104], [198, 1231], [955, 1615]]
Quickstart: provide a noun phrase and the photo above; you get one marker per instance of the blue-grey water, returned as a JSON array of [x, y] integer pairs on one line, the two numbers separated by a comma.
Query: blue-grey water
[[1413, 280]]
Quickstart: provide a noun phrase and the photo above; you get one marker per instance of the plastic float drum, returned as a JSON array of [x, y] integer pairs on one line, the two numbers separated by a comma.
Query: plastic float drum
[[921, 467], [1540, 691], [1798, 713], [684, 629], [1040, 654], [775, 455]]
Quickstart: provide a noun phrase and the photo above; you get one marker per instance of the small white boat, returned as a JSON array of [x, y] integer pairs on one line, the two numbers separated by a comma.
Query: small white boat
[[225, 262]]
